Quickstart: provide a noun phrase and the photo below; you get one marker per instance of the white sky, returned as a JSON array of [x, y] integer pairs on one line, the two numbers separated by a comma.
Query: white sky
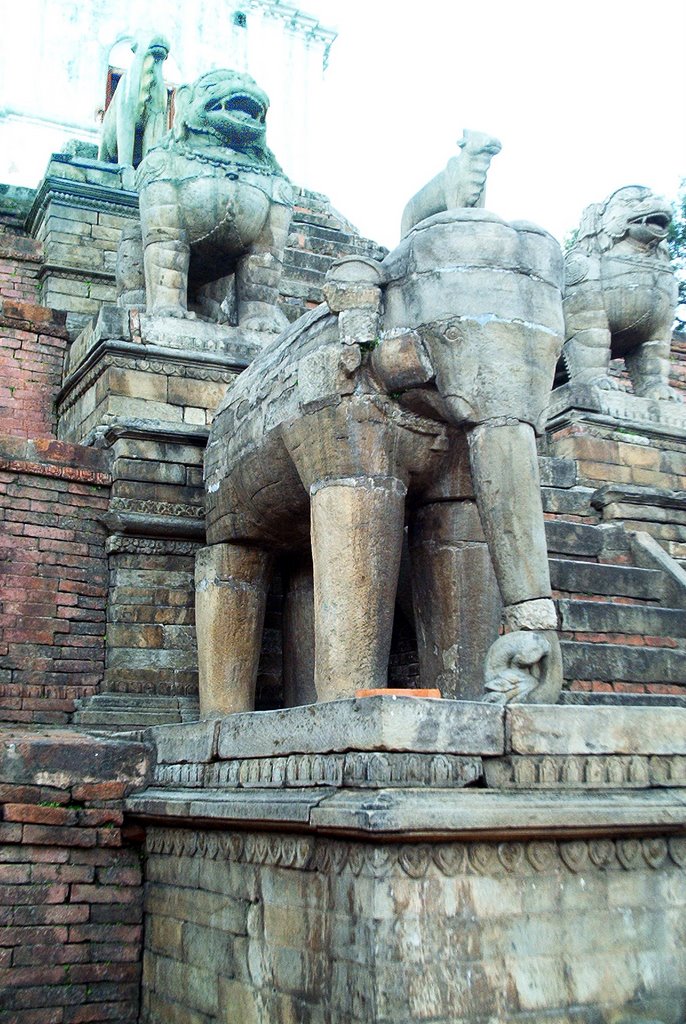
[[585, 96]]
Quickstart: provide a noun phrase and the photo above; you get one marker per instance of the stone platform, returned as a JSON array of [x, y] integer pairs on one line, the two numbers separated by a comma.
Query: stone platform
[[403, 859]]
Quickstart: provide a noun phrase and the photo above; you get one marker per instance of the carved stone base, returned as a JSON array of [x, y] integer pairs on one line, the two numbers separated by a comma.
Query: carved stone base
[[360, 868], [661, 416]]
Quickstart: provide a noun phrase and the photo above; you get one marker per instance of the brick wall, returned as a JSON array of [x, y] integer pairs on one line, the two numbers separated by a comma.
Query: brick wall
[[33, 340], [53, 572], [70, 880], [20, 259]]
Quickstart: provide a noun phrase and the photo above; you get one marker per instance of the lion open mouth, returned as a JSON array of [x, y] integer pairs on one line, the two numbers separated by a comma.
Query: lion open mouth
[[246, 107], [657, 222]]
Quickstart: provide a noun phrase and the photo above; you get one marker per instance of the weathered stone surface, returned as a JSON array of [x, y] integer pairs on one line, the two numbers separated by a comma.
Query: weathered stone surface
[[627, 663], [573, 538], [614, 580], [137, 116], [61, 758], [631, 410], [578, 730], [461, 183], [371, 723], [580, 771], [192, 742], [450, 813], [358, 769], [214, 203], [604, 617], [621, 294], [309, 419]]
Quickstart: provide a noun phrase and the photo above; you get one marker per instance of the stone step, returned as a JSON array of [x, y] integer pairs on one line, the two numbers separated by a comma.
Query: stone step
[[613, 580], [623, 663], [605, 617], [116, 719], [573, 538]]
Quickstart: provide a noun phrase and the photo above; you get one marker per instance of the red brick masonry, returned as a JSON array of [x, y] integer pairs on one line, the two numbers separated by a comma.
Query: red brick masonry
[[53, 577], [70, 879]]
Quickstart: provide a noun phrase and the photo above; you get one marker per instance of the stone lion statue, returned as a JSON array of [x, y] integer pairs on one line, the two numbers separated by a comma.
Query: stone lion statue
[[621, 294], [137, 116], [215, 205]]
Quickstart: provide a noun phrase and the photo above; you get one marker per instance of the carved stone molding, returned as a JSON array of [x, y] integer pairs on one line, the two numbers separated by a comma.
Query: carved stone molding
[[181, 367], [359, 769], [156, 508], [120, 544], [418, 860], [585, 772]]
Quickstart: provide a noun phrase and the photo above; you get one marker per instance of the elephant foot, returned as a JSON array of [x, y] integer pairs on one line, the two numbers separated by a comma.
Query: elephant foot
[[524, 667]]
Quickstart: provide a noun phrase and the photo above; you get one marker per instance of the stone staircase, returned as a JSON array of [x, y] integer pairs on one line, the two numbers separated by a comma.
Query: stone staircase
[[622, 617]]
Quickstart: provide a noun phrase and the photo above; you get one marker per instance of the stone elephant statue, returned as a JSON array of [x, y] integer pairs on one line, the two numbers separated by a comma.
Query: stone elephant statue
[[136, 119], [411, 397]]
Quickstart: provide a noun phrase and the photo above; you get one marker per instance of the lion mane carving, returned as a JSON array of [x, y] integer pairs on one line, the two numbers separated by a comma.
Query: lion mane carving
[[215, 207], [621, 294]]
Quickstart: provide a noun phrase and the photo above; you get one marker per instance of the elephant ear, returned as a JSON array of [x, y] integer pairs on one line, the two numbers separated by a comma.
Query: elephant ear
[[182, 98]]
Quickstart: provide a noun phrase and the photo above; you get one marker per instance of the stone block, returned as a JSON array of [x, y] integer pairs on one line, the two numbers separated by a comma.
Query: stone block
[[371, 723], [623, 663], [192, 743], [540, 729]]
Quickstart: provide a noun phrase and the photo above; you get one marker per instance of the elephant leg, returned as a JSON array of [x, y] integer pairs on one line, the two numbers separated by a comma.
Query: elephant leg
[[456, 604], [298, 635], [357, 537], [231, 582], [508, 493], [258, 275], [648, 367]]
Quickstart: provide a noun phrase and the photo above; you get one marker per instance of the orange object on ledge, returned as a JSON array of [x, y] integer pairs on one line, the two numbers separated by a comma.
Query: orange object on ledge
[[398, 692]]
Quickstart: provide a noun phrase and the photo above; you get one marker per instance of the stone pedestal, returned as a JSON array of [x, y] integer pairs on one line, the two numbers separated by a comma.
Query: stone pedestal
[[145, 389], [411, 860], [630, 456], [78, 213]]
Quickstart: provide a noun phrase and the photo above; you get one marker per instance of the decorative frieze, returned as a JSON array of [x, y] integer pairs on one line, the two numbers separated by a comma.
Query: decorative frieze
[[585, 772], [418, 860], [360, 769], [120, 544], [156, 508]]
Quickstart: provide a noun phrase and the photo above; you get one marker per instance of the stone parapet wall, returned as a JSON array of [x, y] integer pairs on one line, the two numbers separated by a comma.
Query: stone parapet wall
[[53, 566], [70, 880]]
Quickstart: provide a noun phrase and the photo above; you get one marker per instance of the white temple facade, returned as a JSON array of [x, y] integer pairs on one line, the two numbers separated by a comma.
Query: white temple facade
[[59, 92]]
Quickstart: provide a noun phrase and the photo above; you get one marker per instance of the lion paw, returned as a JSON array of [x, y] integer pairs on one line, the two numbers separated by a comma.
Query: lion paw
[[661, 393], [177, 312]]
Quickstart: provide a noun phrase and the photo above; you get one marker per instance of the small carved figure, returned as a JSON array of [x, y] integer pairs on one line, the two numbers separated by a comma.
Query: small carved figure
[[461, 183], [621, 294], [136, 119], [215, 203], [413, 395], [513, 667]]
